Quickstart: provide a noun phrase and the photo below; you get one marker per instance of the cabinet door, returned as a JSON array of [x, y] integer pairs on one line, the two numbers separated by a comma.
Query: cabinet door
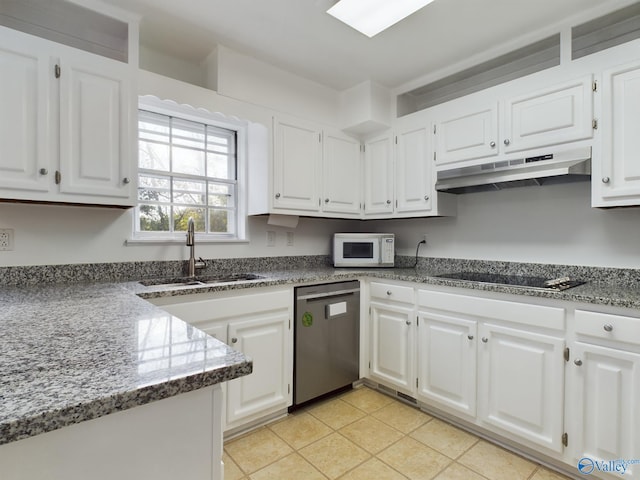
[[521, 384], [447, 348], [392, 345], [467, 135], [265, 339], [560, 114], [296, 165], [96, 126], [606, 401], [341, 174], [414, 183], [378, 176], [618, 182], [25, 97]]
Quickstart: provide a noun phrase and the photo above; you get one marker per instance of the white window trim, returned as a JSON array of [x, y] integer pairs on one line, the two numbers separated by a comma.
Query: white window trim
[[201, 115]]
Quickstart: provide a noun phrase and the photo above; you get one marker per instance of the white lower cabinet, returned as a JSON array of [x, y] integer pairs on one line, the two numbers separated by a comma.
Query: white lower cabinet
[[263, 338], [605, 395], [258, 325], [393, 336], [447, 368], [521, 387], [392, 345], [500, 363]]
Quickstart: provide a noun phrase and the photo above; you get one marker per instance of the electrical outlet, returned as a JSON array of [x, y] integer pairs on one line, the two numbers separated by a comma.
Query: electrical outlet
[[425, 238], [271, 238], [6, 239], [290, 239]]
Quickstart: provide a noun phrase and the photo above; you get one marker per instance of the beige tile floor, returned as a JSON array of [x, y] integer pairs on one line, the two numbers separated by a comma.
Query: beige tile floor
[[365, 435]]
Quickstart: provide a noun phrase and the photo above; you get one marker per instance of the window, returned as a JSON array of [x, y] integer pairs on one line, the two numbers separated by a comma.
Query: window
[[188, 166]]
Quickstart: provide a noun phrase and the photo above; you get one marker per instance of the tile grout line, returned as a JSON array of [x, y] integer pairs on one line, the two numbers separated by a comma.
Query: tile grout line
[[369, 413]]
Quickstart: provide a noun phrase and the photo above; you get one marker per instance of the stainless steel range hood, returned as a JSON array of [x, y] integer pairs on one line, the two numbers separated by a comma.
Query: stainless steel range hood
[[561, 167]]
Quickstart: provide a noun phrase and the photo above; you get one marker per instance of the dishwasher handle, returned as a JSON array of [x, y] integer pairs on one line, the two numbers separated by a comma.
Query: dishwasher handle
[[335, 293]]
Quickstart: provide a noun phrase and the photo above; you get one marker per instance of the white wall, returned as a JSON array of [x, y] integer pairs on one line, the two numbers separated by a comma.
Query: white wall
[[54, 234], [548, 224], [255, 81], [170, 66]]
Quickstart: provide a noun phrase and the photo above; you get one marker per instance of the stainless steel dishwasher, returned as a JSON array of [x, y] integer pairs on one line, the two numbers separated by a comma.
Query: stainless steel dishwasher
[[327, 339]]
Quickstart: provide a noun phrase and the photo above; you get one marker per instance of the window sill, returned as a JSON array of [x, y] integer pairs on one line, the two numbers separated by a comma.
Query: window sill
[[135, 241]]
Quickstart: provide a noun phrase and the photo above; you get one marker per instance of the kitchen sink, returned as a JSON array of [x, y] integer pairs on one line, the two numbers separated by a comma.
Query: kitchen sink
[[199, 280]]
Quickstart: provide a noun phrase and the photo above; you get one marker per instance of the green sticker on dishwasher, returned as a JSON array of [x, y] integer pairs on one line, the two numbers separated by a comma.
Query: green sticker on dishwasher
[[307, 319]]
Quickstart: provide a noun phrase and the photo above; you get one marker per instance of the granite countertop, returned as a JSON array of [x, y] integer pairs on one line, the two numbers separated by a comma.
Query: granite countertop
[[70, 353], [73, 352], [623, 295]]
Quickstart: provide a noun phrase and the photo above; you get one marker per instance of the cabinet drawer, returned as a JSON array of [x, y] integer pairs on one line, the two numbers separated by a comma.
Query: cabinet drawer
[[393, 293], [514, 312], [609, 327]]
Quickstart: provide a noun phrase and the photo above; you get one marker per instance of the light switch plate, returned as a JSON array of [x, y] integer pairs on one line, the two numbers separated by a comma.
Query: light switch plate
[[290, 239], [6, 239]]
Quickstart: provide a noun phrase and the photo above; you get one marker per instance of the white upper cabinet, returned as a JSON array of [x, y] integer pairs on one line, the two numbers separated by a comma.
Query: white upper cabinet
[[414, 180], [296, 165], [316, 171], [341, 174], [616, 179], [95, 126], [67, 124], [378, 175], [24, 127], [467, 132], [560, 114], [474, 130]]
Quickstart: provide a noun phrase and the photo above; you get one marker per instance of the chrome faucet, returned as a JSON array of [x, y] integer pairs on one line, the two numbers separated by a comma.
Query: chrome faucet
[[191, 242]]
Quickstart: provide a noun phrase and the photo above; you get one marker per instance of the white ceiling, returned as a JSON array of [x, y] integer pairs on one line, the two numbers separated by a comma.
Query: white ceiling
[[299, 36]]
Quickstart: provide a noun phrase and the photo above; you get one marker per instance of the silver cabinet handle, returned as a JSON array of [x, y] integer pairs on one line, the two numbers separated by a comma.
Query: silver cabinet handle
[[506, 141], [578, 362], [126, 180], [485, 339], [277, 195], [408, 322], [606, 179], [326, 200], [426, 198], [492, 144], [608, 327], [234, 340], [43, 171], [470, 337], [388, 202], [388, 292]]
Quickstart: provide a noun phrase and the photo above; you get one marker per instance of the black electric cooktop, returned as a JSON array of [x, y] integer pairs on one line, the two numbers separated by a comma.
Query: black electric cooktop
[[555, 284]]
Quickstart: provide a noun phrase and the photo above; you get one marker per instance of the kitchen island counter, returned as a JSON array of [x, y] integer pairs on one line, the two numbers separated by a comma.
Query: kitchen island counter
[[70, 353]]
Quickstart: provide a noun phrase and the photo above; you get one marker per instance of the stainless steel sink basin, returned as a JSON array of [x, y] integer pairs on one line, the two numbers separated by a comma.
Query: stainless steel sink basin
[[199, 280]]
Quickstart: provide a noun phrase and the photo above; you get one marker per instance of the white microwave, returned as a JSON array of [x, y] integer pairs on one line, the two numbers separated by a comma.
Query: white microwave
[[363, 249]]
